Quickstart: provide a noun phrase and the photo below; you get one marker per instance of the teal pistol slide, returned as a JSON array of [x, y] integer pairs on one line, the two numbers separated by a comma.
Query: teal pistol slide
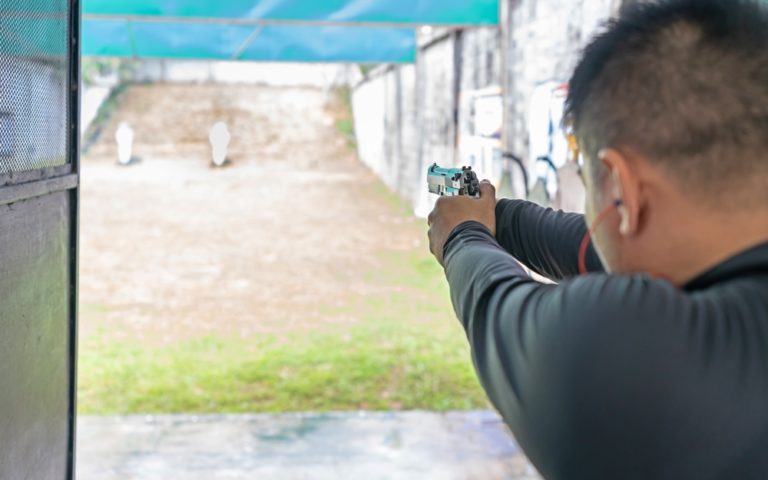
[[452, 181]]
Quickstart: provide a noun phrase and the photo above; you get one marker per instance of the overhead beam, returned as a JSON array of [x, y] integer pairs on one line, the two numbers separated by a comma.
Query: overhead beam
[[385, 13], [264, 22]]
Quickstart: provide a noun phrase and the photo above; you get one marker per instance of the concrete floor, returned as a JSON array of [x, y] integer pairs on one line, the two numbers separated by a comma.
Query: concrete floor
[[402, 445]]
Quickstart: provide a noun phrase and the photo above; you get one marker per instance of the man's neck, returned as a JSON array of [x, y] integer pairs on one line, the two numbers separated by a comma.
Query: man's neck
[[701, 242]]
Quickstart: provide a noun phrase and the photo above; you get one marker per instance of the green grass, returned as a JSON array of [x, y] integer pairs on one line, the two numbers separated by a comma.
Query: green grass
[[346, 125], [367, 368], [407, 351]]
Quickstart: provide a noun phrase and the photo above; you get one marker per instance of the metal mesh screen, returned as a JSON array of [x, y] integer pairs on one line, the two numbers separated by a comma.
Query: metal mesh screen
[[34, 109]]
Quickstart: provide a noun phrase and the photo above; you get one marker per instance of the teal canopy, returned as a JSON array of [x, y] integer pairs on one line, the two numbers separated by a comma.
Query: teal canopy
[[120, 38], [359, 31]]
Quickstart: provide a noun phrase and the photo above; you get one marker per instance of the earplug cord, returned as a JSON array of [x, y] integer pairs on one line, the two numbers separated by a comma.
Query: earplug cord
[[588, 236]]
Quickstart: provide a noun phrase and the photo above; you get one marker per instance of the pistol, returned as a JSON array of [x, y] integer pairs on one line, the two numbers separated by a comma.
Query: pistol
[[452, 181]]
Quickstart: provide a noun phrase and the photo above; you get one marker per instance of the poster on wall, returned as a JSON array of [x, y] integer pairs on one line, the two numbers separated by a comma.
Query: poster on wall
[[553, 161], [480, 134], [480, 144]]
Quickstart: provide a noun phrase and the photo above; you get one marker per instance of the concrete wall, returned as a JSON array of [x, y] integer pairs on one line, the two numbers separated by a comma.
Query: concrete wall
[[386, 125], [436, 110], [326, 76], [481, 59], [542, 41], [408, 117], [273, 74], [93, 94]]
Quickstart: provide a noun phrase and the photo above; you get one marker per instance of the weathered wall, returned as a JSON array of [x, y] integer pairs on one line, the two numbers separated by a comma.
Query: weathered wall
[[436, 105], [409, 117], [542, 41], [276, 74], [480, 58], [404, 116]]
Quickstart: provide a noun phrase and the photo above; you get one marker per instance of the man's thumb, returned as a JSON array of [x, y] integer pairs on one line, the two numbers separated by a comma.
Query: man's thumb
[[487, 190]]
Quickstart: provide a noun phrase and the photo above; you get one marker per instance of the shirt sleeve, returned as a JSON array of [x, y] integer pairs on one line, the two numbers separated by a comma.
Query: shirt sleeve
[[561, 363], [544, 240]]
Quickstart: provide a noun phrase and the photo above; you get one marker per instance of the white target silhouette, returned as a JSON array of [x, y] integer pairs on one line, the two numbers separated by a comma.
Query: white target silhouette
[[219, 137]]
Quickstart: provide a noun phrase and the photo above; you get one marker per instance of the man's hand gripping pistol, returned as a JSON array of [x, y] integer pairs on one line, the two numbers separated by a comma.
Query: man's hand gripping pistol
[[452, 181]]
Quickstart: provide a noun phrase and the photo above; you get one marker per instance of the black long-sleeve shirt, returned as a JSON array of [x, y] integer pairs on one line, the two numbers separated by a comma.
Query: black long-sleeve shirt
[[614, 376]]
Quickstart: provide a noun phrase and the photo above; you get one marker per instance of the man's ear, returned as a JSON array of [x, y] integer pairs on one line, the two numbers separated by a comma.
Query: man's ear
[[624, 187]]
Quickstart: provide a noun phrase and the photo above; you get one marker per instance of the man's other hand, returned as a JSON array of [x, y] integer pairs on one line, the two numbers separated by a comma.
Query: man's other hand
[[450, 212]]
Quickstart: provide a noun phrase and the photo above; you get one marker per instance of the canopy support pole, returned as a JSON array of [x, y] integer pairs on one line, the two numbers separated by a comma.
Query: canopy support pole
[[247, 43]]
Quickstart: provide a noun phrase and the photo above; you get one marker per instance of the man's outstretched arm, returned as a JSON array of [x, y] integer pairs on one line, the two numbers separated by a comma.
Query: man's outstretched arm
[[544, 240], [561, 362]]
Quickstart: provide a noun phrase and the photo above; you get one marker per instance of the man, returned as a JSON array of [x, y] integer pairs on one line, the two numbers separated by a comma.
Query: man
[[654, 364]]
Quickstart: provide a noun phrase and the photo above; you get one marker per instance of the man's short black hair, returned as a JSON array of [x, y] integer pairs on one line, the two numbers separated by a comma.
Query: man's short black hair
[[685, 83]]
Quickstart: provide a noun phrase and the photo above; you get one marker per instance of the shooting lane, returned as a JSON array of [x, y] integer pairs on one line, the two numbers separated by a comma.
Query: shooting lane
[[39, 166]]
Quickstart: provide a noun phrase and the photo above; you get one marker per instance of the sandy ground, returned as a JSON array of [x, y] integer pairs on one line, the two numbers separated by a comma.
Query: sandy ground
[[171, 247]]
